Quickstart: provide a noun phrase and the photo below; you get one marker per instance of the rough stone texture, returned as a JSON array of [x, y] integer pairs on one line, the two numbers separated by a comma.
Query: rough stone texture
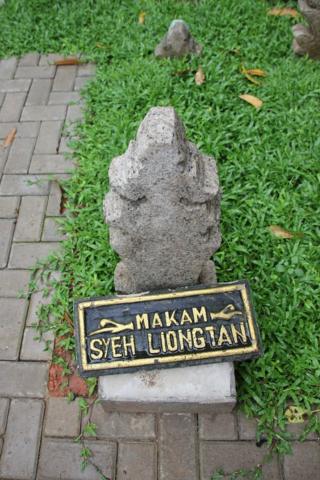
[[30, 220], [128, 465], [177, 42], [164, 203], [231, 456], [304, 464], [62, 418], [177, 456], [23, 379], [13, 311], [218, 427], [60, 459], [20, 449], [123, 425], [307, 38]]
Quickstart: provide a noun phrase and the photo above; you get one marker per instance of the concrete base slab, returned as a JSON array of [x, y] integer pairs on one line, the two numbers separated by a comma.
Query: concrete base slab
[[201, 388]]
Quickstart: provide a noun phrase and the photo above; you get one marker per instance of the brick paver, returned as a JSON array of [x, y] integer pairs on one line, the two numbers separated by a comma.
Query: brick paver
[[36, 432], [20, 450]]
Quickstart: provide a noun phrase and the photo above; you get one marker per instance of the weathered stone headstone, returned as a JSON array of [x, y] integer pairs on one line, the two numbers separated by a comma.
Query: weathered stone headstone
[[163, 208], [307, 39], [163, 211], [177, 42]]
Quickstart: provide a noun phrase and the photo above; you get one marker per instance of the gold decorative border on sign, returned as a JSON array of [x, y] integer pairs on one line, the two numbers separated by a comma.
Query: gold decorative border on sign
[[174, 358]]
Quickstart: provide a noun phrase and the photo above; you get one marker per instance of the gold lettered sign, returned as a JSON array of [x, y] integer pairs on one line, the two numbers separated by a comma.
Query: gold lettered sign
[[171, 328]]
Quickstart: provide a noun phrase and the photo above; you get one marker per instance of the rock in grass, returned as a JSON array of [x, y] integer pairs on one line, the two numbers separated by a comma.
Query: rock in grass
[[177, 42], [163, 208], [307, 39]]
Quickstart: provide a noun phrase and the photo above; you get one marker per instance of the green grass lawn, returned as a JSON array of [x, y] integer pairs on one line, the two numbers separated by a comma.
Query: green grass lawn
[[268, 162]]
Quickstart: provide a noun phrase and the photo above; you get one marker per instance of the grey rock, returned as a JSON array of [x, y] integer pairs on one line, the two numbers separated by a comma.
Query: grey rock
[[307, 38], [177, 42], [163, 208]]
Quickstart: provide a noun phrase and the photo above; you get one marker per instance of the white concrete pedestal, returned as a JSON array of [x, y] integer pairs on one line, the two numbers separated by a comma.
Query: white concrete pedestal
[[202, 388]]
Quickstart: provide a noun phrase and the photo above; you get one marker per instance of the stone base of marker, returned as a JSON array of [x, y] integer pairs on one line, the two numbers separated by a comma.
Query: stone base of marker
[[199, 389]]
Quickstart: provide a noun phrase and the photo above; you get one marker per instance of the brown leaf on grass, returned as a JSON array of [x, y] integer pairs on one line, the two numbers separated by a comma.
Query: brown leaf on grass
[[257, 72], [9, 138], [282, 12], [199, 77], [68, 61], [142, 17], [249, 77], [253, 72], [283, 233], [255, 101]]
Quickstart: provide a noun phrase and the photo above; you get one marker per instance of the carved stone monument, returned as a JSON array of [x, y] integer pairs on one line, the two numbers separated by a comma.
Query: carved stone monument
[[163, 211], [177, 42], [307, 39]]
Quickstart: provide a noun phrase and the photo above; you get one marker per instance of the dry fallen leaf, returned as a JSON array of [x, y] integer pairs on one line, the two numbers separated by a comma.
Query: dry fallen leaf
[[199, 76], [282, 233], [9, 138], [257, 72], [296, 414], [68, 61], [285, 11], [142, 16], [256, 102]]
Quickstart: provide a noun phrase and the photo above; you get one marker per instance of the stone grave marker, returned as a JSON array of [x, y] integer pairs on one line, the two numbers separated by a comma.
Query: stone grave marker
[[307, 38], [177, 42], [163, 211]]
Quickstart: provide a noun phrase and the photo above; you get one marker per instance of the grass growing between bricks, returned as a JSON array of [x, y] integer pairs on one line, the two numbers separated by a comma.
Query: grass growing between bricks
[[268, 162]]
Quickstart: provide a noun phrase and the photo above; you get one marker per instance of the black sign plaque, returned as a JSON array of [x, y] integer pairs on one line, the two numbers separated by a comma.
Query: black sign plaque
[[171, 328]]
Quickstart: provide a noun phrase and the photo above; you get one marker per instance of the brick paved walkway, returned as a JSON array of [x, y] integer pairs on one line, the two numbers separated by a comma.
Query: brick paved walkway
[[36, 432]]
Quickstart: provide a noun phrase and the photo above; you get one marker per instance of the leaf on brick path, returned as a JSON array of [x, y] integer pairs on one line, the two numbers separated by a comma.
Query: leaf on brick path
[[142, 16], [255, 101], [283, 233], [282, 12], [68, 61], [296, 414], [9, 138], [200, 76]]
